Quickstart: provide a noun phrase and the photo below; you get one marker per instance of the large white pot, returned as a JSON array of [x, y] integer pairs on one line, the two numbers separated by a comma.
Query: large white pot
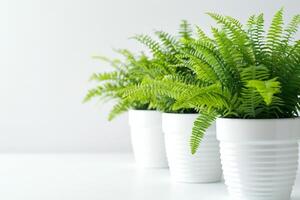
[[259, 157], [147, 138], [202, 167]]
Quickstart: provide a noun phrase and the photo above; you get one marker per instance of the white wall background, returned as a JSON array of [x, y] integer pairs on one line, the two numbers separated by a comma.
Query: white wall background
[[45, 50]]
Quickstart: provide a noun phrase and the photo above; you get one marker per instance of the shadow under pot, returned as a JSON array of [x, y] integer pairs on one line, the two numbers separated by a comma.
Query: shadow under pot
[[259, 157], [202, 167], [147, 139]]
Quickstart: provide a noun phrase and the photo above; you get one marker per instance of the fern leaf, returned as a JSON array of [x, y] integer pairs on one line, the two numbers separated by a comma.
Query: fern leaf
[[203, 56], [168, 41], [275, 32], [256, 34], [259, 72], [210, 96], [93, 93], [201, 124], [120, 107], [236, 34], [232, 58], [105, 76], [291, 29], [202, 36], [126, 53], [185, 30], [151, 44], [267, 89]]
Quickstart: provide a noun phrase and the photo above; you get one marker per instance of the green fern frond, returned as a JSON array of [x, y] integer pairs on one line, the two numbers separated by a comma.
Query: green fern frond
[[230, 54], [201, 68], [232, 58], [202, 36], [275, 32], [203, 56], [168, 41], [259, 72], [236, 22], [236, 34], [256, 34], [267, 89], [201, 124], [172, 88], [120, 107], [186, 78], [93, 93], [210, 96], [185, 30], [251, 100], [126, 53], [291, 30], [153, 45], [105, 76]]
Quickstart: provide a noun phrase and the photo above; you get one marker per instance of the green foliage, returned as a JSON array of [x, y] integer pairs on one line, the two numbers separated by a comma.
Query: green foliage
[[185, 31], [129, 83], [251, 74], [127, 72], [161, 89], [202, 123], [237, 72], [267, 89]]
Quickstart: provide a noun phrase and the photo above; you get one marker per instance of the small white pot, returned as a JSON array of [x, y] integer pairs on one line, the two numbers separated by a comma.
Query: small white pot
[[259, 157], [147, 138], [202, 167]]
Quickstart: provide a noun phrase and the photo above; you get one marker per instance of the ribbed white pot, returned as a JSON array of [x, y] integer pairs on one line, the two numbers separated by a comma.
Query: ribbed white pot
[[202, 167], [259, 157], [147, 138]]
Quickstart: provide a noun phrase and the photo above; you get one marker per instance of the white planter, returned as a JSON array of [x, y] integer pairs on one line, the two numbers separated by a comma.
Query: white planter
[[259, 157], [147, 138], [202, 167]]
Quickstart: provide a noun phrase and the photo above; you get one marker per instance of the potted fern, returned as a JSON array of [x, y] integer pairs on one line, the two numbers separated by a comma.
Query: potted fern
[[252, 86], [145, 123], [177, 123]]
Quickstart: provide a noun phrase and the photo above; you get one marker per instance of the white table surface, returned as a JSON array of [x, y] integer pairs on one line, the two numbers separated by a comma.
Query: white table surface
[[95, 177]]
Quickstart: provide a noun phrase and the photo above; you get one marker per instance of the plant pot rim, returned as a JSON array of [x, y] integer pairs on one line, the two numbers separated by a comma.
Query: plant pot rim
[[263, 120], [169, 113], [137, 110], [254, 130]]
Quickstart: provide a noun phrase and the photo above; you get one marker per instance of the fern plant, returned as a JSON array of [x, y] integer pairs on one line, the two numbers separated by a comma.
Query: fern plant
[[127, 72], [258, 74], [239, 72], [128, 75], [165, 54]]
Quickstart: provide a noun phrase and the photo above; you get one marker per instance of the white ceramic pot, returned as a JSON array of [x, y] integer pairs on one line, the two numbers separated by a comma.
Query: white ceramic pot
[[147, 138], [259, 157], [202, 167]]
